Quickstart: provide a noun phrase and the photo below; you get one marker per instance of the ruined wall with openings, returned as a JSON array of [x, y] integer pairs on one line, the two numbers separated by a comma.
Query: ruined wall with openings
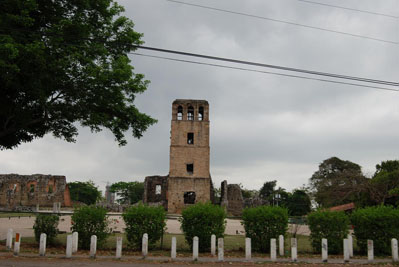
[[156, 191], [30, 190]]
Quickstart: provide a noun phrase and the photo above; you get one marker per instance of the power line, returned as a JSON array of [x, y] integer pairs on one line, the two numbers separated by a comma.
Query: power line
[[339, 76], [348, 8], [333, 75], [265, 72], [286, 22]]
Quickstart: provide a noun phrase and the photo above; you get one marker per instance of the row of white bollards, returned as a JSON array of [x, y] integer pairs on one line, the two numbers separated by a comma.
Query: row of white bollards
[[72, 247]]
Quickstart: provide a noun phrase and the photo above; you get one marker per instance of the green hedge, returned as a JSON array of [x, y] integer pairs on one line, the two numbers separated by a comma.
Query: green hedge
[[332, 225], [203, 220], [144, 219], [48, 224], [379, 224], [88, 221], [263, 223]]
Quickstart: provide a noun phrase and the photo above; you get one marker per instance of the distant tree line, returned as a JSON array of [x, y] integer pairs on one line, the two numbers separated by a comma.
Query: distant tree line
[[88, 193]]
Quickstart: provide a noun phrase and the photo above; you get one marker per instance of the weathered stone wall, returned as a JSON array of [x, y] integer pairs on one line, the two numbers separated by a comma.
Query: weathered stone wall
[[30, 190], [234, 199], [156, 190], [183, 153], [178, 186], [231, 198]]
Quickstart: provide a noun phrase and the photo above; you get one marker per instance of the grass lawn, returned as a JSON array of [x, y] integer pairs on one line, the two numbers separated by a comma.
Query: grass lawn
[[234, 246]]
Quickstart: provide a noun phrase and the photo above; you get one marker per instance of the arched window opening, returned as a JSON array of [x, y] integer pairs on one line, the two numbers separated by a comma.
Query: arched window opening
[[189, 197], [179, 113], [190, 113], [201, 113]]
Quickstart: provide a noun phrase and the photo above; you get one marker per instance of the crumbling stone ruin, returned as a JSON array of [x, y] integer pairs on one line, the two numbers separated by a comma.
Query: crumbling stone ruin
[[231, 198], [18, 191], [189, 180]]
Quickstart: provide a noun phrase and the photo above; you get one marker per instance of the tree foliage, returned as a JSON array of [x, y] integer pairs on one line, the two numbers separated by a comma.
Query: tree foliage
[[85, 192], [384, 186], [88, 221], [337, 182], [263, 223], [144, 219], [203, 220], [48, 224], [128, 192], [66, 62], [298, 203]]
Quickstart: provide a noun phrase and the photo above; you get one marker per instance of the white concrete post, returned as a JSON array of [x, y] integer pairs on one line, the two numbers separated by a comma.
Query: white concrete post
[[346, 250], [118, 253], [55, 206], [350, 240], [69, 247], [195, 248], [37, 207], [9, 239], [370, 251], [173, 248], [144, 245], [42, 247], [17, 244], [324, 249], [394, 246], [248, 249], [294, 251], [93, 246], [220, 249], [273, 256], [281, 245], [213, 245], [75, 237]]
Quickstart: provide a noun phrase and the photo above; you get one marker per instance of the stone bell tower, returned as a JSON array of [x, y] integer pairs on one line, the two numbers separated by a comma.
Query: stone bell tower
[[189, 179]]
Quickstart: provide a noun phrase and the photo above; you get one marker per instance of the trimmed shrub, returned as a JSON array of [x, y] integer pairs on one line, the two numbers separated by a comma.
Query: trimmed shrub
[[88, 221], [144, 219], [203, 220], [48, 224], [332, 225], [263, 223], [380, 224]]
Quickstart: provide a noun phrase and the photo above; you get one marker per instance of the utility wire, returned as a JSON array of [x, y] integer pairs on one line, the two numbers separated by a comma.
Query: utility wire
[[348, 8], [265, 72], [286, 22], [339, 76]]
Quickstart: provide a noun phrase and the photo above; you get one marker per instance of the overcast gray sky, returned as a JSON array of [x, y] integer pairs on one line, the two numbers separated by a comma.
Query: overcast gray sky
[[263, 127]]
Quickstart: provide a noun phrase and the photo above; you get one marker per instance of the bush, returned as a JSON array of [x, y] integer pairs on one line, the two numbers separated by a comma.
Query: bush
[[47, 224], [88, 221], [332, 225], [263, 223], [379, 224], [144, 219], [203, 220]]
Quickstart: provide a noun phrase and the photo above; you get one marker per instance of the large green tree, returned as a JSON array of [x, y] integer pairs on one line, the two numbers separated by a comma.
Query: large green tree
[[298, 203], [383, 188], [337, 182], [86, 192], [66, 62], [128, 192]]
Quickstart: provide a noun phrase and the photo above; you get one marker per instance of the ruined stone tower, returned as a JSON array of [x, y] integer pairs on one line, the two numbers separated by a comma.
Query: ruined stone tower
[[189, 179]]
